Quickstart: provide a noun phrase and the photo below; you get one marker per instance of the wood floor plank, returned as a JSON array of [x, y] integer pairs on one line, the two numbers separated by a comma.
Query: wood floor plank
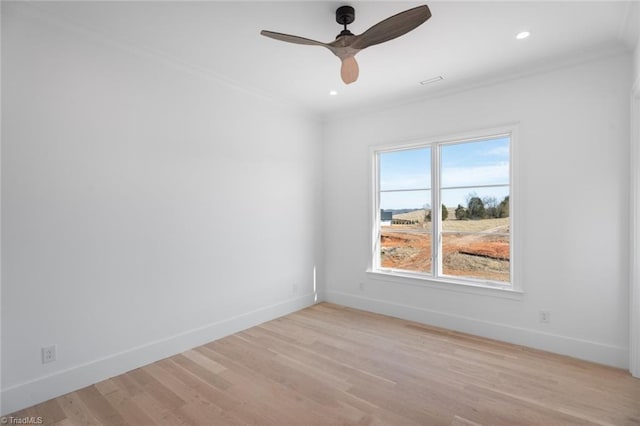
[[125, 405], [205, 362], [51, 410], [64, 422], [333, 365], [191, 387], [100, 407], [76, 411], [246, 407], [201, 371], [156, 389], [256, 390], [160, 415]]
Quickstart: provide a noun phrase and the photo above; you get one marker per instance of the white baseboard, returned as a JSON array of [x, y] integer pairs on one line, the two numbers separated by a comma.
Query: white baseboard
[[583, 349], [44, 388]]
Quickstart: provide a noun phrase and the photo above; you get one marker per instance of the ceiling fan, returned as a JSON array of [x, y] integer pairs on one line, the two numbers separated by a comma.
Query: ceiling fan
[[346, 44]]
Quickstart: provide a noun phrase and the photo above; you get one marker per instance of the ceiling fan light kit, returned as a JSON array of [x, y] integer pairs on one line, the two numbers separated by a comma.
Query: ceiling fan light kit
[[347, 45]]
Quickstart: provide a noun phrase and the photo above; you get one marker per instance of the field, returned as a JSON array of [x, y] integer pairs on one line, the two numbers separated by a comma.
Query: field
[[482, 256]]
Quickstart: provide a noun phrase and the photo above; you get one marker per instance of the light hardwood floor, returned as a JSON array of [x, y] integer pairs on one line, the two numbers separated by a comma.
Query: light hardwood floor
[[329, 365]]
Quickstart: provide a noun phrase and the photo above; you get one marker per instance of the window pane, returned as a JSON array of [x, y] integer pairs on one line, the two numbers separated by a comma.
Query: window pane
[[476, 203], [405, 230], [478, 256], [406, 169], [475, 163]]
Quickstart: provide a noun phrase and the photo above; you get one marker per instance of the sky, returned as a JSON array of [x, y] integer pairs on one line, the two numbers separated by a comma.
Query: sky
[[464, 165]]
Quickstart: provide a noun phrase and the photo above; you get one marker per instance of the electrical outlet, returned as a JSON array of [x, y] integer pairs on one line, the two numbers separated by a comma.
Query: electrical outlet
[[545, 316], [361, 286], [49, 354], [294, 288]]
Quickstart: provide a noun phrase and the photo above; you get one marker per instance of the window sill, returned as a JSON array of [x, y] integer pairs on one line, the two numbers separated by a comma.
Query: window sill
[[418, 280]]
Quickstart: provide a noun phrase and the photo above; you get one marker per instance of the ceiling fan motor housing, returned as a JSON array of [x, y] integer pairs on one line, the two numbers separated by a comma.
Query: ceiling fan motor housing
[[345, 15]]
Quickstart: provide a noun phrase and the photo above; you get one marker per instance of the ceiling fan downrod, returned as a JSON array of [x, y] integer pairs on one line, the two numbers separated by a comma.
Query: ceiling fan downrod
[[345, 15]]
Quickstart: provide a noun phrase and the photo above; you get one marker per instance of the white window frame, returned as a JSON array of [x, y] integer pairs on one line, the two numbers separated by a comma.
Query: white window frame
[[514, 289]]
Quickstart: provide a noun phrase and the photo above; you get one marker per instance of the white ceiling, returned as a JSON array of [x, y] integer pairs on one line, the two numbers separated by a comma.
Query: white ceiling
[[466, 43]]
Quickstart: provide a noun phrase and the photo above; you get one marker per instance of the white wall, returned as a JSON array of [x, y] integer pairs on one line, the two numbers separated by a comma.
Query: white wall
[[145, 209], [573, 158], [635, 22], [636, 62]]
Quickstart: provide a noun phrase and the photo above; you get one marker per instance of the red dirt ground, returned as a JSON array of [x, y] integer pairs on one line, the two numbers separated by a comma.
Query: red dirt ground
[[485, 257]]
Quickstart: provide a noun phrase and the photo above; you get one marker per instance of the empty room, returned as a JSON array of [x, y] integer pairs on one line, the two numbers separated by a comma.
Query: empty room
[[320, 213]]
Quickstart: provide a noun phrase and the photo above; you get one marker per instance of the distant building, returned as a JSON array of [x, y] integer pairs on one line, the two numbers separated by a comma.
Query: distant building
[[386, 218]]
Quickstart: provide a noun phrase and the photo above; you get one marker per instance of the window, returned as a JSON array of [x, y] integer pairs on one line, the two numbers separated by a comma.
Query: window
[[443, 211]]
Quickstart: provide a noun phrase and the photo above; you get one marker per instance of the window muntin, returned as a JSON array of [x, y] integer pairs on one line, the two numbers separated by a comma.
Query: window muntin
[[471, 181]]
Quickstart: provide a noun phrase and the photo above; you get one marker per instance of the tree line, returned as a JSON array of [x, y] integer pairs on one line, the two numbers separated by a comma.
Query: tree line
[[477, 208], [483, 208]]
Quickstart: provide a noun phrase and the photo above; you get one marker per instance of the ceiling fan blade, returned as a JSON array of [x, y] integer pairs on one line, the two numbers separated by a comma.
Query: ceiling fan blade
[[392, 27], [291, 38], [349, 70]]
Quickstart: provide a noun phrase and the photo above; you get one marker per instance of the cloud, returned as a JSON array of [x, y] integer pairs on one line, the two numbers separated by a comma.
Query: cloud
[[498, 151], [495, 174], [406, 181]]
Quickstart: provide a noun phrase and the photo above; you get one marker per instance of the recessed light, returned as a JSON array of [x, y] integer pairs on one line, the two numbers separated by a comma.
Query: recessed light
[[522, 35], [431, 80], [333, 92]]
